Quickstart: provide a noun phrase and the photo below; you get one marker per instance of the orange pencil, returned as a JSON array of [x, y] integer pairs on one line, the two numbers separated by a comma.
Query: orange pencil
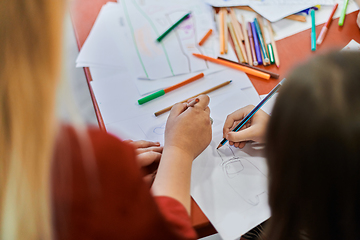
[[205, 37], [235, 66], [222, 32]]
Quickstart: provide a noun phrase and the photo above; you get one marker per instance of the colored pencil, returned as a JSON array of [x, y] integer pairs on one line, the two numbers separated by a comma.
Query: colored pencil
[[270, 49], [169, 89], [205, 92], [235, 42], [313, 30], [261, 40], [261, 25], [273, 75], [251, 41], [246, 40], [238, 33], [172, 27], [343, 13], [205, 37], [256, 44], [326, 26], [226, 31], [222, 32], [247, 70], [273, 44], [248, 116]]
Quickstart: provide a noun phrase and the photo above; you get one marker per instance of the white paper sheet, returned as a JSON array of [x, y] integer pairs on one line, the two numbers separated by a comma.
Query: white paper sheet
[[230, 185], [352, 46], [125, 35], [117, 95]]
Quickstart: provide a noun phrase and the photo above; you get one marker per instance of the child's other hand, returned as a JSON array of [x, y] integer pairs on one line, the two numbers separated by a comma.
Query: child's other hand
[[253, 130], [189, 128]]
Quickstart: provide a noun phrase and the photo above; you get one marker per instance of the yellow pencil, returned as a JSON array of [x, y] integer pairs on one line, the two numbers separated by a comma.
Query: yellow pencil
[[221, 33], [238, 33], [236, 43], [226, 31], [246, 40]]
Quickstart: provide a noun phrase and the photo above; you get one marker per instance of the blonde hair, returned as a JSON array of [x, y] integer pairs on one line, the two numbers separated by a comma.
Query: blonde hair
[[30, 49]]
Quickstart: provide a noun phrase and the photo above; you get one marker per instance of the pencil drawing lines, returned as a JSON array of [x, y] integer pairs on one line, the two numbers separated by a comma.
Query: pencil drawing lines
[[160, 130], [242, 176]]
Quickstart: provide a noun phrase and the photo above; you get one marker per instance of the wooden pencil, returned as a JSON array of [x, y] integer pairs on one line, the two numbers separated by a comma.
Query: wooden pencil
[[205, 92], [238, 33], [273, 75], [235, 42], [271, 33], [226, 31], [246, 40], [221, 33]]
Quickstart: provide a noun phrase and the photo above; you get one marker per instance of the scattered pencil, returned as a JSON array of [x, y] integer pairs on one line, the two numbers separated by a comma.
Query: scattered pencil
[[172, 27], [246, 69], [205, 92], [326, 26], [246, 40], [273, 44], [169, 89], [273, 75], [343, 13], [207, 35], [221, 32]]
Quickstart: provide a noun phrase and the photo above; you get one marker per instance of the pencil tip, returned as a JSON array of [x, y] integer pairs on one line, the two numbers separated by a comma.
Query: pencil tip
[[219, 146]]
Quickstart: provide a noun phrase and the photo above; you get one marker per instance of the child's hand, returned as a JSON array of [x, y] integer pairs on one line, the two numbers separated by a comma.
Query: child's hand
[[148, 156], [189, 128], [253, 130]]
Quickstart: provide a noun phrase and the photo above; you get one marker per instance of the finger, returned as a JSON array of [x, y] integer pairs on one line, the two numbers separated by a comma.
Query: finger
[[237, 116], [177, 109], [204, 102], [149, 149], [242, 135], [147, 158], [242, 144], [144, 144]]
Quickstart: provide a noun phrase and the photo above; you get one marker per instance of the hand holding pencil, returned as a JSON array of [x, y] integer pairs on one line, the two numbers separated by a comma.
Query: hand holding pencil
[[253, 130], [188, 127]]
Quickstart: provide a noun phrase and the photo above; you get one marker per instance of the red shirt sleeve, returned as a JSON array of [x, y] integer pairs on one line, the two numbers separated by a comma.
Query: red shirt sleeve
[[98, 193]]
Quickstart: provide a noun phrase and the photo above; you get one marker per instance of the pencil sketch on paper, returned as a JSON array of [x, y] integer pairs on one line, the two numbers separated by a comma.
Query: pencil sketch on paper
[[242, 176], [146, 21]]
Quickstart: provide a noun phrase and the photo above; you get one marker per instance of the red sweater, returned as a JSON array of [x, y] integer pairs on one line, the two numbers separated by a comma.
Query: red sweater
[[98, 193]]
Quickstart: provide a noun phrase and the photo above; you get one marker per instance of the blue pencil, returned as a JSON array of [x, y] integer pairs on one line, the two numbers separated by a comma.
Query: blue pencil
[[256, 43], [247, 117]]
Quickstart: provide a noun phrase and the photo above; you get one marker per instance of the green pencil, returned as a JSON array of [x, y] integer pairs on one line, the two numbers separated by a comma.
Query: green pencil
[[172, 27], [343, 13]]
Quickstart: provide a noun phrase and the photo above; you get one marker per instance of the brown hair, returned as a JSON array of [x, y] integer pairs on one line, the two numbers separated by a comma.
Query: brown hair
[[30, 40], [313, 151]]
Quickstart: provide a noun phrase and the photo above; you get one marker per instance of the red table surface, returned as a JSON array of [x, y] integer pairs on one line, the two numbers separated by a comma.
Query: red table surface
[[292, 51]]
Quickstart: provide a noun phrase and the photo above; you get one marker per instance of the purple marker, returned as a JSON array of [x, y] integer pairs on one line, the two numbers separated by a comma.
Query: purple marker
[[251, 40], [256, 43]]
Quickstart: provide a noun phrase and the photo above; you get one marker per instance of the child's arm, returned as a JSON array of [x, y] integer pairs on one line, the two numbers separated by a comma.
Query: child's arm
[[254, 129], [187, 134]]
